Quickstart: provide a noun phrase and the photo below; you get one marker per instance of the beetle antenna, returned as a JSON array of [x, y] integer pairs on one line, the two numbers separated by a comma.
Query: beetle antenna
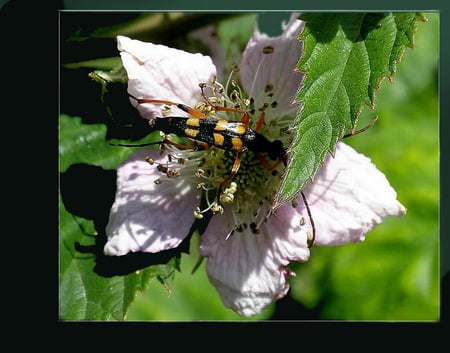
[[136, 145]]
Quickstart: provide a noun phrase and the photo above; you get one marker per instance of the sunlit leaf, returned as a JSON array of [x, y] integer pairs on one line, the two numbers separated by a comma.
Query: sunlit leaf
[[345, 58]]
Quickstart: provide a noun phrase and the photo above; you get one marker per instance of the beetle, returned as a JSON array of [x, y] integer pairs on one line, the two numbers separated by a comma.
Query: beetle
[[234, 136]]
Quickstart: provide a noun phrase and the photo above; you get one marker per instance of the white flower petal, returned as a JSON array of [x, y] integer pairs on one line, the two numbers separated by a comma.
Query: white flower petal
[[159, 72], [257, 69], [248, 269], [349, 197], [146, 216]]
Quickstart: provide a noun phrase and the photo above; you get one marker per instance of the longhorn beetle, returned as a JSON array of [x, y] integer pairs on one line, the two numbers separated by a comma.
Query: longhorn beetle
[[233, 136]]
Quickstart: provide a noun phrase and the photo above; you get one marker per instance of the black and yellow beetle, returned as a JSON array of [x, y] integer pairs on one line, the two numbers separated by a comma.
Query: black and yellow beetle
[[233, 136]]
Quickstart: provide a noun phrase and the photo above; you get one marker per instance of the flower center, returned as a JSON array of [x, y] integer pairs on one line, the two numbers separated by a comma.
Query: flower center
[[251, 191]]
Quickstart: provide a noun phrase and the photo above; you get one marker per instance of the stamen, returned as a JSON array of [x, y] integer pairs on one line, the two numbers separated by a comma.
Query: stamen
[[252, 87], [165, 111], [228, 81], [229, 234], [199, 172], [309, 239], [198, 213], [216, 208], [227, 195]]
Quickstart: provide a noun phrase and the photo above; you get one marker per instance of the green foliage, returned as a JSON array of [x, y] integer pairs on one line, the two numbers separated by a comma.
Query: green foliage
[[393, 274], [345, 58]]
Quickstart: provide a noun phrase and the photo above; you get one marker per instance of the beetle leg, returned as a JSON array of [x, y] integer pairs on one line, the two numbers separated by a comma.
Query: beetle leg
[[245, 117], [267, 164], [260, 121], [234, 170]]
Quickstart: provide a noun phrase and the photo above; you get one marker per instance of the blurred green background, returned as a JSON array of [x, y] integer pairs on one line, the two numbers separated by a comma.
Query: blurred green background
[[393, 275]]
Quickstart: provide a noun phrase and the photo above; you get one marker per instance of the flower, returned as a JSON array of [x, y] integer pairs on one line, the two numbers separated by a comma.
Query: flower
[[248, 247]]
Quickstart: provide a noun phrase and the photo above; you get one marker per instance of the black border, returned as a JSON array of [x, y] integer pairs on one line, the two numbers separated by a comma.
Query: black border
[[29, 31]]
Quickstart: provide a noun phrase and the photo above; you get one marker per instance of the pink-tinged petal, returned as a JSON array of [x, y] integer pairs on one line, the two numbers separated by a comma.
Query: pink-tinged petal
[[158, 72], [148, 216], [349, 197], [270, 61], [249, 269], [208, 37]]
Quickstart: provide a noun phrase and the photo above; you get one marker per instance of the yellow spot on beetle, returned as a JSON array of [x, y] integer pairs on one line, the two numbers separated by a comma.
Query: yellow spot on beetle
[[193, 122], [218, 139], [237, 144], [221, 125], [192, 133], [239, 129]]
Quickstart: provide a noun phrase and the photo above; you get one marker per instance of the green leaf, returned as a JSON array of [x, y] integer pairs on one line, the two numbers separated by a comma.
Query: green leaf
[[80, 143], [87, 290], [345, 58], [111, 63], [86, 295]]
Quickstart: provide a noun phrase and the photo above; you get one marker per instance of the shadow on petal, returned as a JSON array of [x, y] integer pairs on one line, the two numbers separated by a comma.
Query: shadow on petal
[[88, 191]]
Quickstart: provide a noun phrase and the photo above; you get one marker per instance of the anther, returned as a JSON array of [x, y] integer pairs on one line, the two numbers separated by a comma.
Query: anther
[[227, 196], [254, 228], [268, 88], [309, 239], [165, 111], [216, 208], [198, 213], [267, 50], [162, 168], [172, 172], [199, 172]]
